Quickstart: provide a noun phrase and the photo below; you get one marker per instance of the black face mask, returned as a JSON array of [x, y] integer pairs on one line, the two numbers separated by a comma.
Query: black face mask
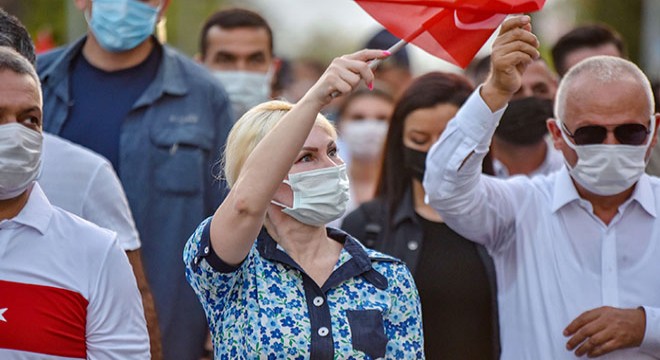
[[415, 162]]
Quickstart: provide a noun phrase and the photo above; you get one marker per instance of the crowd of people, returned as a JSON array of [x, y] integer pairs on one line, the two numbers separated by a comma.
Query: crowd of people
[[158, 206]]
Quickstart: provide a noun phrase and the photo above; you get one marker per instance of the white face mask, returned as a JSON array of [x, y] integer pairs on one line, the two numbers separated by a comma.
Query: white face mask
[[608, 169], [319, 196], [20, 159], [364, 138], [246, 89]]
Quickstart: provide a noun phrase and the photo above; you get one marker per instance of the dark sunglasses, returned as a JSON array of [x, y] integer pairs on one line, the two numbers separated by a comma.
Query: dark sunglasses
[[627, 134]]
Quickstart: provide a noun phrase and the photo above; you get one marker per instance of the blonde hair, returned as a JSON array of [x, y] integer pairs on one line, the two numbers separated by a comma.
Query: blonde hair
[[251, 128]]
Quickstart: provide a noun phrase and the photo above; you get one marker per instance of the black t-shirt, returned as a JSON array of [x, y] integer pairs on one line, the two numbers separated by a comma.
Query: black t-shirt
[[455, 295], [101, 100]]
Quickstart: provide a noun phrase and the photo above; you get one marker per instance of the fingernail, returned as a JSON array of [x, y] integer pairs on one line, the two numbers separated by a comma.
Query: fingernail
[[370, 86], [386, 53]]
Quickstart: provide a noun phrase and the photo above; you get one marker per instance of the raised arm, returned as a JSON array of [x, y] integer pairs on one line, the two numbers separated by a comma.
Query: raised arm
[[239, 218], [480, 208], [513, 50]]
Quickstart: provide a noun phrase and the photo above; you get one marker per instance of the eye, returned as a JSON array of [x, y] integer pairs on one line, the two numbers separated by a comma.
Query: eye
[[332, 152], [418, 137], [305, 158], [540, 89], [419, 140], [31, 121], [257, 59], [224, 58]]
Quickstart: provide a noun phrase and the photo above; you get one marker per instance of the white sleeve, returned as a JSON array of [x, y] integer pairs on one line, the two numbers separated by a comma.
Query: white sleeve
[[651, 342], [116, 327], [106, 206], [480, 208]]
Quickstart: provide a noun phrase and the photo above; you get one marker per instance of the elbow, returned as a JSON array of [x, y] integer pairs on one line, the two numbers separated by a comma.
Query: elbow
[[244, 206]]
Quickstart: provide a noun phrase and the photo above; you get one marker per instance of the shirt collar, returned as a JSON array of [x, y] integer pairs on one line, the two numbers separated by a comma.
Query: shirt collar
[[406, 209], [565, 192], [37, 211], [170, 78], [270, 250], [358, 264], [644, 195]]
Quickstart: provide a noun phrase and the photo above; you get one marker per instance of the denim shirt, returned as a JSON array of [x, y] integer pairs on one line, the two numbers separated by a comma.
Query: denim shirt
[[168, 146], [269, 308]]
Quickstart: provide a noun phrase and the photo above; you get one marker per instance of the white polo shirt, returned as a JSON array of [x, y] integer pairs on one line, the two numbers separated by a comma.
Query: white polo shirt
[[82, 182], [554, 258], [67, 290]]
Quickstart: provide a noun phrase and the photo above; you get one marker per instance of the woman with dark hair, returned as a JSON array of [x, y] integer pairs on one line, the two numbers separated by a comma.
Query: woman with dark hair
[[455, 277]]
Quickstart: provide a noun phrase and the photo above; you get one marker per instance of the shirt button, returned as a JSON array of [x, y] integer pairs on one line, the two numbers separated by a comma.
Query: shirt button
[[206, 250], [196, 260], [413, 245], [323, 331], [318, 301]]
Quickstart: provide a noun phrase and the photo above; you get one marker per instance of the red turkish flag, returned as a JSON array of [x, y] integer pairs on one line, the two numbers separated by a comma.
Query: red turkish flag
[[453, 30], [42, 319]]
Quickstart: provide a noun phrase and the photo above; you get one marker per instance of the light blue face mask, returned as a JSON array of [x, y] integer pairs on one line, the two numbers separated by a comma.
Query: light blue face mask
[[121, 25]]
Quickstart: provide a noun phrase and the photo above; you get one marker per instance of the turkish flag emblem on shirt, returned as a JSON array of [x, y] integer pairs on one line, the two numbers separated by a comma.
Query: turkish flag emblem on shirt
[[42, 319], [453, 30]]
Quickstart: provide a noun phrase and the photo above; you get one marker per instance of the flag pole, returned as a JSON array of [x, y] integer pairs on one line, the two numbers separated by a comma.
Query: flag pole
[[394, 48]]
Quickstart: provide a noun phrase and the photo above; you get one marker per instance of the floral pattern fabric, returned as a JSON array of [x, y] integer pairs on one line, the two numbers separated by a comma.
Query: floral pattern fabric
[[268, 308]]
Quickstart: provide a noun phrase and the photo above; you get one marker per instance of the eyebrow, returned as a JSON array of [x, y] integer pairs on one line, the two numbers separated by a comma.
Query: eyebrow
[[311, 148], [24, 111], [234, 56]]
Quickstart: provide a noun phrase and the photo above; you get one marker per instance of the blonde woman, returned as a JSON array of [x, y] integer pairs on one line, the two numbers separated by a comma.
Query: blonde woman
[[274, 281]]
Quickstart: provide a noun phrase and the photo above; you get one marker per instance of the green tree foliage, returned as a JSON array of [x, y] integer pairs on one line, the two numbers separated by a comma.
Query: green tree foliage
[[623, 15]]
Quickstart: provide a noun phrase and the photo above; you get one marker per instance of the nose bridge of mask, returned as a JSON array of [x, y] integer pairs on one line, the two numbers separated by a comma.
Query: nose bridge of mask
[[20, 158], [15, 133]]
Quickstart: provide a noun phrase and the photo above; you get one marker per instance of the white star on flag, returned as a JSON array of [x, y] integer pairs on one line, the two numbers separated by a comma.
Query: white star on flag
[[2, 311]]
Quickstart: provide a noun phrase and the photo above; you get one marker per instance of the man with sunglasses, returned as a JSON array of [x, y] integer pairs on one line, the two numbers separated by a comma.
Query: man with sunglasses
[[576, 251]]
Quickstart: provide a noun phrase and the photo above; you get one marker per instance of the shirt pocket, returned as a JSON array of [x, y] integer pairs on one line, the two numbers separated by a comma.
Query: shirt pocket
[[368, 332], [181, 158]]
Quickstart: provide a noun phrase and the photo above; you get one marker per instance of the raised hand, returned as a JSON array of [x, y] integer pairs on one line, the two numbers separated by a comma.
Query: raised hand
[[343, 75], [605, 329], [514, 48]]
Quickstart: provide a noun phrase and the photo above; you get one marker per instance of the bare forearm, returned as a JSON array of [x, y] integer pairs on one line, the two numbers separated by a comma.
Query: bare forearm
[[135, 259]]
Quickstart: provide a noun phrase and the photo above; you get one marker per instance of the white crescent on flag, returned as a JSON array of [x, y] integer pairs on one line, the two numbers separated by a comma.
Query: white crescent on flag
[[489, 23]]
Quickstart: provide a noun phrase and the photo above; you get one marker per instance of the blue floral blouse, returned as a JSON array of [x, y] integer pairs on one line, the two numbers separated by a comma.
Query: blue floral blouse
[[268, 308]]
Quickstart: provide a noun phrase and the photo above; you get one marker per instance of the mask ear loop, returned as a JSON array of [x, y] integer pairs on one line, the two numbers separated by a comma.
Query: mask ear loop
[[286, 181], [561, 126], [651, 131]]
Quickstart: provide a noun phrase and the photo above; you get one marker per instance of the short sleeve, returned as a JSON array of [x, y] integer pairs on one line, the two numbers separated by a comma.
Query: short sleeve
[[106, 205], [116, 327], [211, 278]]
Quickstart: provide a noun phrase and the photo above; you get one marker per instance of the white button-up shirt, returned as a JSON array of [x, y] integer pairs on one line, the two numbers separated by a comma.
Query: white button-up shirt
[[554, 258]]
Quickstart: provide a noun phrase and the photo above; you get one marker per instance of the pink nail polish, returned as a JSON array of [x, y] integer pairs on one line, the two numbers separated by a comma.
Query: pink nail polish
[[370, 86], [386, 53]]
